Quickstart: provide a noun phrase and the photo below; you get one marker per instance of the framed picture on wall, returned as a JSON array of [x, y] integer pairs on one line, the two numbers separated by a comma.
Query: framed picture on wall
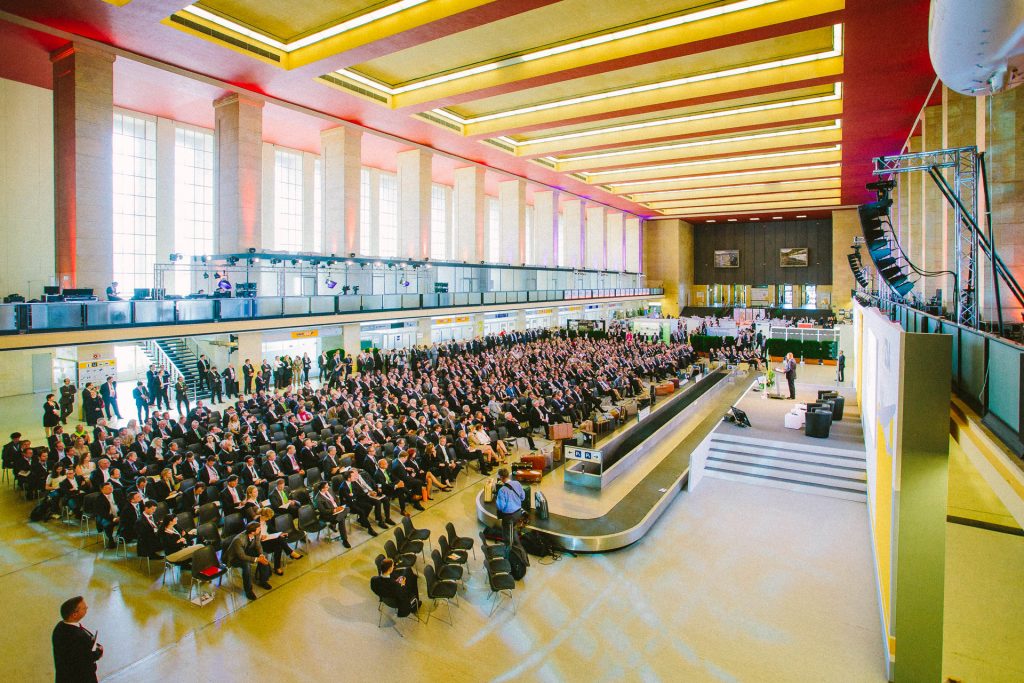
[[729, 258], [793, 257]]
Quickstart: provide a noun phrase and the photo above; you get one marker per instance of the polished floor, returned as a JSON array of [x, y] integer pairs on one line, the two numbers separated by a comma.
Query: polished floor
[[734, 583]]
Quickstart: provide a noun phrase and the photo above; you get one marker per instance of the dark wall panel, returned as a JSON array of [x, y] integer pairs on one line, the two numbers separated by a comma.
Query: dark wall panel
[[759, 245]]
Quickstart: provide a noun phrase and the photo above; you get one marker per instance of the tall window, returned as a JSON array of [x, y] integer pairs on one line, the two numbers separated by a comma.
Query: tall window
[[785, 296], [438, 221], [810, 296], [318, 206], [387, 215], [193, 192], [287, 201], [134, 201], [493, 230], [365, 211]]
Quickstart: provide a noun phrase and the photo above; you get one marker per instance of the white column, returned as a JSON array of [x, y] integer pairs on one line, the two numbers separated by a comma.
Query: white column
[[351, 334], [595, 238], [268, 194], [574, 222], [424, 329], [83, 152], [614, 223], [414, 177], [239, 172], [342, 150], [545, 228], [512, 209], [308, 228], [631, 238], [470, 208]]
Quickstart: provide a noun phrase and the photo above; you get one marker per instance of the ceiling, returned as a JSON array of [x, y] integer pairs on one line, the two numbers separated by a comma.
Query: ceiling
[[704, 110]]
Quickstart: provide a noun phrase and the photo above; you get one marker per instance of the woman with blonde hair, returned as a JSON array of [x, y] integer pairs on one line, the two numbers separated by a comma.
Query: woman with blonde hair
[[275, 543]]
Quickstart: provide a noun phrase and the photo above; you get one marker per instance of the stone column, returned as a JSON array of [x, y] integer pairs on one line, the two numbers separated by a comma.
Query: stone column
[[1005, 160], [614, 223], [573, 225], [239, 173], [165, 143], [83, 155], [351, 334], [545, 228], [512, 206], [342, 150], [424, 329], [308, 185], [631, 240], [250, 345], [933, 224], [470, 212], [594, 238], [414, 178]]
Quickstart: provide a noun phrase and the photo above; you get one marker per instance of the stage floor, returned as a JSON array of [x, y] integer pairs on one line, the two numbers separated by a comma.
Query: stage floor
[[767, 415]]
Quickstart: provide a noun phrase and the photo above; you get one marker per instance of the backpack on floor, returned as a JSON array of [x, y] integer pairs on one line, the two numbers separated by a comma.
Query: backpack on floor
[[536, 544], [518, 562], [41, 512]]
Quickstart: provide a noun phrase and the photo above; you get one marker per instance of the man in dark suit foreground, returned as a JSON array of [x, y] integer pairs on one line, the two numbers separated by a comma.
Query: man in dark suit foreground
[[75, 649]]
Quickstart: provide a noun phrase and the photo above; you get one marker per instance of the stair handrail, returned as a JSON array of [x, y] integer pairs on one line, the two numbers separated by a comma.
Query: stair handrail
[[162, 358]]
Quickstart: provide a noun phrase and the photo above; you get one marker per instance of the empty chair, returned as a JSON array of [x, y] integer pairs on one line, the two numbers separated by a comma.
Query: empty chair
[[818, 423], [233, 525], [210, 512], [294, 481], [451, 555], [186, 522], [401, 559], [501, 584], [459, 542], [285, 525], [209, 535], [414, 534], [309, 522], [439, 589], [407, 545], [446, 570], [205, 568], [89, 502], [301, 495], [162, 510], [313, 476]]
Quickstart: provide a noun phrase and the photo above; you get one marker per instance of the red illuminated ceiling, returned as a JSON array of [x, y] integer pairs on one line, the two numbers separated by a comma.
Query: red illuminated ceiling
[[885, 78]]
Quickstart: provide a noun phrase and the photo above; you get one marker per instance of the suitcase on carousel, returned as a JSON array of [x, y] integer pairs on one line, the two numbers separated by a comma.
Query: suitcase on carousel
[[535, 461], [562, 430], [664, 389], [528, 476]]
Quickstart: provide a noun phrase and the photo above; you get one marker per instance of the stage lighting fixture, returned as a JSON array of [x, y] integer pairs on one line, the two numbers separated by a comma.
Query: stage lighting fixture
[[275, 261], [882, 186], [355, 289], [175, 257], [252, 250], [216, 275], [295, 261], [224, 286], [352, 254], [232, 260], [331, 284], [206, 276], [345, 289]]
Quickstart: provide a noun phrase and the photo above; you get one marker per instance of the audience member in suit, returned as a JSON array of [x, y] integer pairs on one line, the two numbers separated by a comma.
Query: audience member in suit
[[108, 513], [281, 502], [131, 513], [147, 531], [75, 651], [415, 488], [176, 547], [274, 543], [332, 512], [231, 499], [399, 585], [352, 497], [244, 550]]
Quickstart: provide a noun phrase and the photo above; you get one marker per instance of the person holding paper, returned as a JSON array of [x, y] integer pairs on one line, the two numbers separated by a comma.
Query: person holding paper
[[274, 543], [75, 649]]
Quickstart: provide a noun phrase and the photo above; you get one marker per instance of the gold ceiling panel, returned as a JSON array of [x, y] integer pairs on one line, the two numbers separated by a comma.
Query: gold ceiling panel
[[763, 206], [546, 41], [648, 190], [743, 143], [711, 202], [288, 21], [816, 155], [702, 65], [653, 198]]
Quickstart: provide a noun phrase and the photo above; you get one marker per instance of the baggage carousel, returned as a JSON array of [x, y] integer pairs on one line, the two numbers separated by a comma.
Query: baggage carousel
[[655, 454]]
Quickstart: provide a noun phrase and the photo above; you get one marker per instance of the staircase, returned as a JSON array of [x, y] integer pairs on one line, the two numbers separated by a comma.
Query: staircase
[[178, 355], [818, 469]]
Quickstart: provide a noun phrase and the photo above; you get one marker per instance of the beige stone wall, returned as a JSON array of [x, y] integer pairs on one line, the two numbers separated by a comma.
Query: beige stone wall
[[1005, 159], [668, 259], [845, 227]]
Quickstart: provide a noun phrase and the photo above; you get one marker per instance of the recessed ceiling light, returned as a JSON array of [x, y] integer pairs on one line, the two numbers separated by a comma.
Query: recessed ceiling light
[[711, 220], [564, 48], [717, 160], [836, 94], [801, 216], [732, 220], [755, 219], [329, 32], [776, 218]]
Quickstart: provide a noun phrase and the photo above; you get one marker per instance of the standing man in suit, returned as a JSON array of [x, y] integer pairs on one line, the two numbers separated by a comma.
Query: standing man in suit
[[75, 650], [203, 369], [245, 549], [142, 400], [67, 399], [841, 365], [108, 390], [248, 371], [213, 382], [230, 381], [789, 367]]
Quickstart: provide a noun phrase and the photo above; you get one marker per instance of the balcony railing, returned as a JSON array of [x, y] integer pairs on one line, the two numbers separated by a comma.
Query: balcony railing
[[50, 317]]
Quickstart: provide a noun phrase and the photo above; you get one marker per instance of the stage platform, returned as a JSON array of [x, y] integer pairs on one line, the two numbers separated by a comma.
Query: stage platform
[[590, 520]]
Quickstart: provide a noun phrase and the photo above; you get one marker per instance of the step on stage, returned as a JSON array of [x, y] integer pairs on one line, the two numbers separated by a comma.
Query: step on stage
[[649, 461]]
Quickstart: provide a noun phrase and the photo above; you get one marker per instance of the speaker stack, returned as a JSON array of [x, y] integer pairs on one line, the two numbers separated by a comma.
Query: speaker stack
[[881, 245]]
